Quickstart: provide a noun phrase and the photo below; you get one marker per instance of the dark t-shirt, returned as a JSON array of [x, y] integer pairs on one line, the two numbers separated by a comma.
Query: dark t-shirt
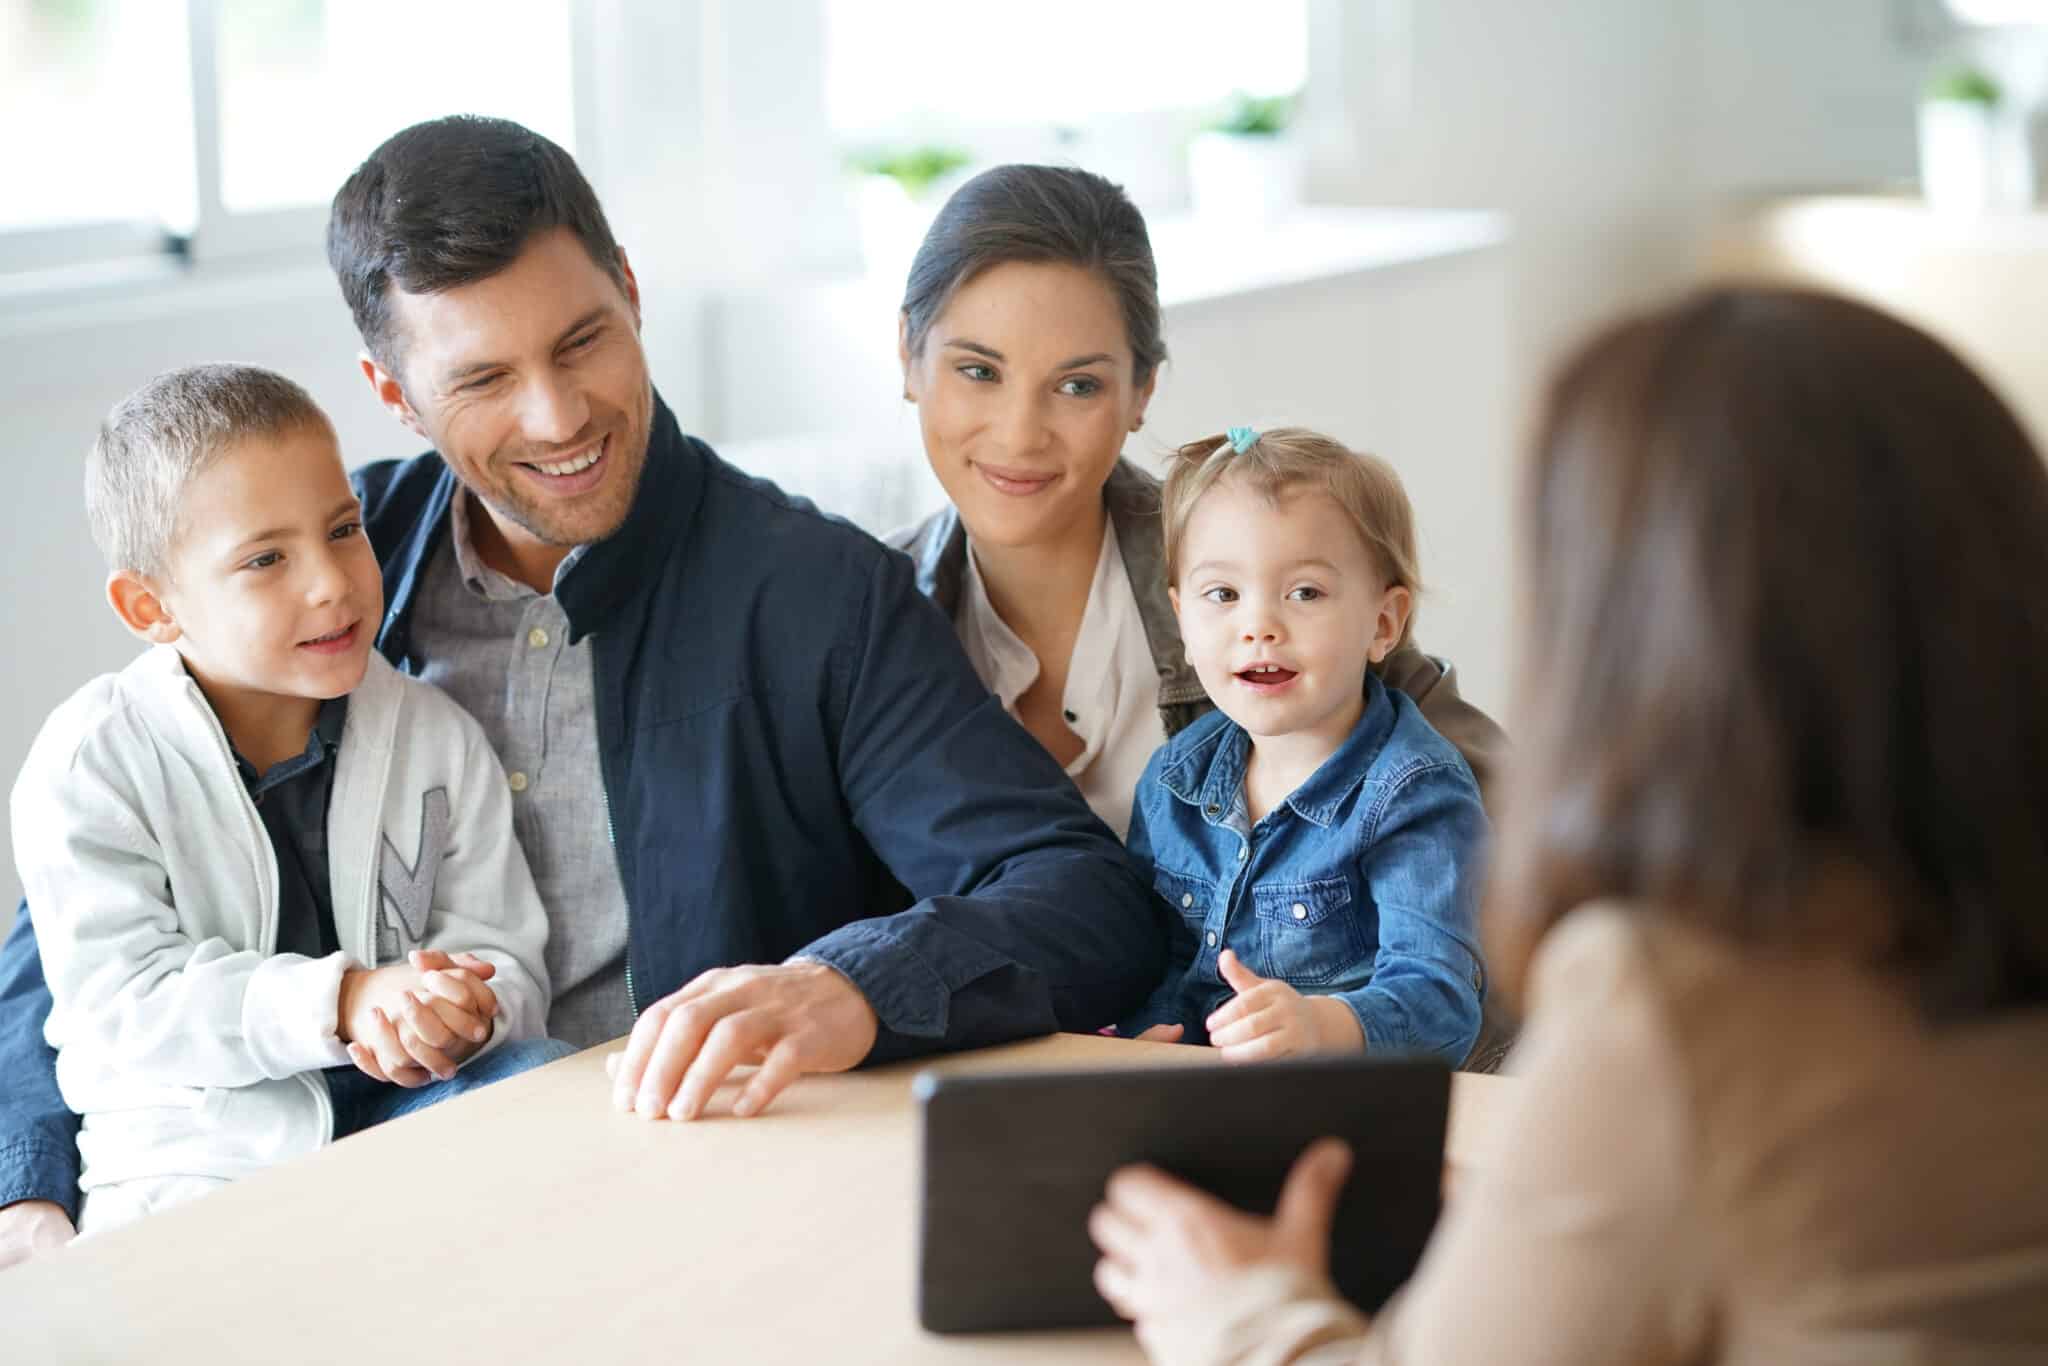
[[292, 800]]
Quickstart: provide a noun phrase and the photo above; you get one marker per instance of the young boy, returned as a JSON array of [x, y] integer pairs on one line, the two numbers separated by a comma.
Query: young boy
[[233, 844]]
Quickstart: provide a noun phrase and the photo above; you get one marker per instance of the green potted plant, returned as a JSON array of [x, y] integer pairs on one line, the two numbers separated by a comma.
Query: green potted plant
[[1245, 163], [1960, 141], [898, 188]]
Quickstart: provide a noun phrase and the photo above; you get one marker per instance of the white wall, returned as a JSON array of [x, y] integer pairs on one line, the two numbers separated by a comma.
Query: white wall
[[1611, 131]]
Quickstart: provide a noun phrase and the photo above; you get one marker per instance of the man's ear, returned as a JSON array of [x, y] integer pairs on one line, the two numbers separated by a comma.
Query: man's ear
[[385, 386], [632, 287], [141, 607], [1395, 606]]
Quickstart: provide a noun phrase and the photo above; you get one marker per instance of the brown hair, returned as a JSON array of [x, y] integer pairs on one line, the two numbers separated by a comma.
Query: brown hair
[[160, 438], [449, 202], [1056, 214], [1784, 565], [1287, 458]]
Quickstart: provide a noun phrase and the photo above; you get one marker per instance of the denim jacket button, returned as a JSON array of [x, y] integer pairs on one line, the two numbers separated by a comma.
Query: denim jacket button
[[1242, 853], [1187, 899], [1213, 809], [1300, 911], [1212, 939]]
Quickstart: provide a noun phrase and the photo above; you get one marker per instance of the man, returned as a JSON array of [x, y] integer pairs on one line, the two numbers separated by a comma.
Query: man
[[734, 730]]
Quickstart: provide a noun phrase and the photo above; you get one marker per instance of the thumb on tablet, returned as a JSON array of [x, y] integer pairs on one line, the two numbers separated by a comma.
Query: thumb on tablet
[[1308, 1202]]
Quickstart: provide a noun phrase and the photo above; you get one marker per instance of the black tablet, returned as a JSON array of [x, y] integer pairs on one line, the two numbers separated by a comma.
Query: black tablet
[[1013, 1162]]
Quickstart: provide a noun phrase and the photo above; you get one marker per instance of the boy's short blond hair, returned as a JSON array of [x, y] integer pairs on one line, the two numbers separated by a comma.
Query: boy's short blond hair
[[1289, 458], [162, 436]]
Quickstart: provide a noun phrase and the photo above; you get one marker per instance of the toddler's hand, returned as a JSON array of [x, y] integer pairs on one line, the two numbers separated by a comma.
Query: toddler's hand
[[1270, 1019], [1160, 1033]]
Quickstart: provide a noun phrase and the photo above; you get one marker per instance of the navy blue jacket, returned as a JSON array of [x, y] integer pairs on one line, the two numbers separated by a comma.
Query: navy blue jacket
[[797, 758]]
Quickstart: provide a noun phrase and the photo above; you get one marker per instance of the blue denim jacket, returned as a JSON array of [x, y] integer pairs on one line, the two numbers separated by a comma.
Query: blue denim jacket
[[1360, 885]]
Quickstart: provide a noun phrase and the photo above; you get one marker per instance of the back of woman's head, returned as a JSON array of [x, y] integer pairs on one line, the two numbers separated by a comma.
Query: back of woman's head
[[1785, 565]]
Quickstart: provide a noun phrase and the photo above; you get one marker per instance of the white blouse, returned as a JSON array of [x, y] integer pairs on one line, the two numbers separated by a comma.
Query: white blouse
[[1112, 696]]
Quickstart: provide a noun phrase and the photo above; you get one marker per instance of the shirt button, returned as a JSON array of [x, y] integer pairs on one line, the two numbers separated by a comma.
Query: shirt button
[[1300, 911], [1243, 853], [1187, 899], [1212, 939], [537, 638], [516, 781]]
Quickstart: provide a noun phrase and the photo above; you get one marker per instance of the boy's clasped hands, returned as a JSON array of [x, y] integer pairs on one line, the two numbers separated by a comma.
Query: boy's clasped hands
[[414, 1022]]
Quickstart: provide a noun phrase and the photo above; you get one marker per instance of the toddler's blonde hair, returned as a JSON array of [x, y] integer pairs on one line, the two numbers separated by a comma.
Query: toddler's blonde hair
[[1288, 458]]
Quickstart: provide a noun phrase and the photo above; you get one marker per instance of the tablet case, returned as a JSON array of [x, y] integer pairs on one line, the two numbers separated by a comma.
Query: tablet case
[[1013, 1162]]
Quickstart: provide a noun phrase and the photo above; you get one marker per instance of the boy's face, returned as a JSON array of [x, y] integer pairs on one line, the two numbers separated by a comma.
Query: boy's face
[[272, 586], [1282, 608]]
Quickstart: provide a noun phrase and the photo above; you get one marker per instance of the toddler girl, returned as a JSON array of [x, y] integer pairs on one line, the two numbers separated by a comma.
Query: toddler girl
[[1314, 837]]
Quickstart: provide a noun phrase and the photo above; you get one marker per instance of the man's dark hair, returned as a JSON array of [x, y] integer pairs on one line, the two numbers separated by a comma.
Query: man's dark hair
[[446, 203]]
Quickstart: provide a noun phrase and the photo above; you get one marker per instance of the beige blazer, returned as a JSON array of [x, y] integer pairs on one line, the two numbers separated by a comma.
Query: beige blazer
[[1716, 1156]]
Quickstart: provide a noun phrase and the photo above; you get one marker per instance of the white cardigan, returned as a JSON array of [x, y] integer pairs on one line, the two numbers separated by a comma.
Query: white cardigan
[[188, 1044]]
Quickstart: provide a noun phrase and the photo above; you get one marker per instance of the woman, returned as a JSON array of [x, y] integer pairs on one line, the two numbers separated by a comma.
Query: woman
[[1773, 858], [1030, 341]]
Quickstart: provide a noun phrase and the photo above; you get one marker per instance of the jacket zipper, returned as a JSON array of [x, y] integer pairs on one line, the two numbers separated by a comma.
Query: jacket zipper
[[611, 834], [266, 932]]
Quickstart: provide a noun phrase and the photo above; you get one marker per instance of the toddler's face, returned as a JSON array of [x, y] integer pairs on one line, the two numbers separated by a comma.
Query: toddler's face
[[1281, 608], [272, 586]]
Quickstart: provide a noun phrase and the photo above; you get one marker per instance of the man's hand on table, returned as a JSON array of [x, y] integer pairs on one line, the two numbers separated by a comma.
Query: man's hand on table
[[29, 1228], [791, 1019]]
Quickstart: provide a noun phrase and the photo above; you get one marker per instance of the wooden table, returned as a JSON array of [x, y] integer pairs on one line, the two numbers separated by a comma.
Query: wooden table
[[531, 1222]]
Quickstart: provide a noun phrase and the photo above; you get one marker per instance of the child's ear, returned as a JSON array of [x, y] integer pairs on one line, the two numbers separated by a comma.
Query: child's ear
[[1395, 605], [141, 607], [1173, 596]]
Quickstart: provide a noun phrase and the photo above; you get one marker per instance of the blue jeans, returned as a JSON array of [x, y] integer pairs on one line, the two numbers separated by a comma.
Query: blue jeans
[[361, 1101]]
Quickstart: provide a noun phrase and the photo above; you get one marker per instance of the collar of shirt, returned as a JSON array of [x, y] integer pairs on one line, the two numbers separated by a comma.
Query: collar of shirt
[[1094, 673], [321, 743], [1210, 774], [482, 580]]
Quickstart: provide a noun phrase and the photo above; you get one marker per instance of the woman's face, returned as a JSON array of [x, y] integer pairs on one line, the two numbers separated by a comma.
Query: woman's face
[[1025, 393]]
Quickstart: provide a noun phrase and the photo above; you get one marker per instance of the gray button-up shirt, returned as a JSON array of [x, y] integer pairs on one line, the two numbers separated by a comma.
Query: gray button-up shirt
[[502, 651]]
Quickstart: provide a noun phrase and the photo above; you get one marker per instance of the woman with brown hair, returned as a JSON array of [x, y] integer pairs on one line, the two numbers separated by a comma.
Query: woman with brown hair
[[1030, 339], [1769, 874]]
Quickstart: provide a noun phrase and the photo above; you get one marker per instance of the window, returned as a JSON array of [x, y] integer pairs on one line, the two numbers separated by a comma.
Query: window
[[98, 156], [897, 66], [222, 127]]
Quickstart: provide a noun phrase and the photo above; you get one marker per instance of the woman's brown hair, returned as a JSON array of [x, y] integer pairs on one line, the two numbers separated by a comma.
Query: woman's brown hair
[[1786, 611]]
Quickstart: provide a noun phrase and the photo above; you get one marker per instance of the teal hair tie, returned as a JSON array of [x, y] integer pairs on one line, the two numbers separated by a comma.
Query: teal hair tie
[[1242, 439]]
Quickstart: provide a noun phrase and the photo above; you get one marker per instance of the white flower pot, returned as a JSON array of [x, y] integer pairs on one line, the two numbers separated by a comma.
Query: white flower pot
[[1958, 156], [1245, 179]]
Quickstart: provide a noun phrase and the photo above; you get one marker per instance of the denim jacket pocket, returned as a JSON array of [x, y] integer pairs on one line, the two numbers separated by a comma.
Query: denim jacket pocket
[[1308, 935], [1191, 896]]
